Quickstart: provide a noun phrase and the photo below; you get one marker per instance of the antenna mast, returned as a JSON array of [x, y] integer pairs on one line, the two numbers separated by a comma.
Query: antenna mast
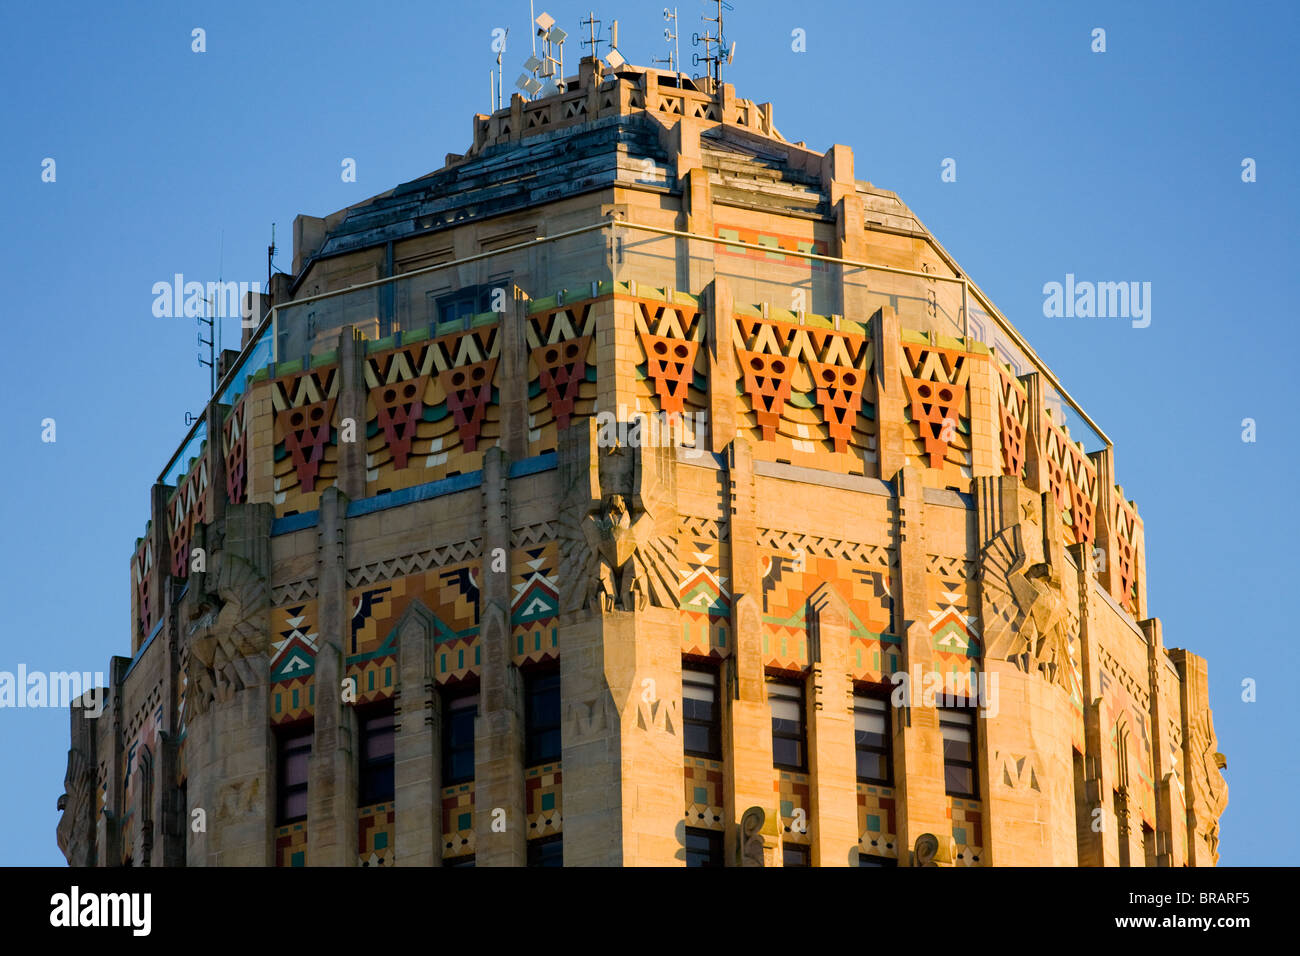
[[670, 36], [210, 342], [595, 41], [270, 256], [498, 84], [551, 63], [714, 62]]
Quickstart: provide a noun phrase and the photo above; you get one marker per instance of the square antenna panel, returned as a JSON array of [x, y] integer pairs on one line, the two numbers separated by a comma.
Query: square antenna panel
[[544, 21], [556, 35]]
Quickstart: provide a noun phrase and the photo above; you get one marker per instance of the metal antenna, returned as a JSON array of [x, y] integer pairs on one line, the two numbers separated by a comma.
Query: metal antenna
[[498, 84], [270, 256], [551, 64], [210, 341], [591, 23], [713, 62], [670, 36], [221, 286]]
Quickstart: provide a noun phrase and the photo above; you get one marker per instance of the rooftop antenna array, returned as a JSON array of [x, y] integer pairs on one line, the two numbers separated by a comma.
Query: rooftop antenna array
[[551, 63], [591, 23], [712, 61], [670, 36]]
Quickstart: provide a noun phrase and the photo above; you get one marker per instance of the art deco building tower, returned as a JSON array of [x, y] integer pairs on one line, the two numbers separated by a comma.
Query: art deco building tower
[[580, 502]]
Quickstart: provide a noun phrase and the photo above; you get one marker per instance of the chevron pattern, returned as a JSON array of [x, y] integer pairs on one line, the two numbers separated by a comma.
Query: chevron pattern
[[414, 563]]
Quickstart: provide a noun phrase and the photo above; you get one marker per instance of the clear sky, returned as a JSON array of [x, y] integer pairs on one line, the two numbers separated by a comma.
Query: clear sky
[[1117, 166]]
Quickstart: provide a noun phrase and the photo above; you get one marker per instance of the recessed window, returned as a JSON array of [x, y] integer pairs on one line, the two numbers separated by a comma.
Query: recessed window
[[957, 727], [871, 735], [700, 713], [459, 860], [454, 311], [542, 716], [796, 854], [294, 748], [548, 851], [375, 773], [866, 859], [789, 743], [703, 847], [458, 714]]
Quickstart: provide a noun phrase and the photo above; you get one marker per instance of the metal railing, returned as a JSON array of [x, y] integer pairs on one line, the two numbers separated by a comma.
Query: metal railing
[[437, 297]]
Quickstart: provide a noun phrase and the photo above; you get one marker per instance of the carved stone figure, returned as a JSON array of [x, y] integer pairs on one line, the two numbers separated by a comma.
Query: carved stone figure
[[222, 639], [613, 551], [1025, 615], [751, 837], [1210, 792], [925, 850]]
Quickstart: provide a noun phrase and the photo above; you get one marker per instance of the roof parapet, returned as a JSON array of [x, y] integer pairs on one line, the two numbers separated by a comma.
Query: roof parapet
[[598, 92]]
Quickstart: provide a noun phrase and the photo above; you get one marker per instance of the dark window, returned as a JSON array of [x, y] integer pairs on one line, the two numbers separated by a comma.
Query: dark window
[[789, 751], [455, 310], [703, 847], [958, 730], [866, 859], [375, 774], [873, 740], [548, 851], [294, 746], [700, 714], [795, 854], [458, 714], [542, 716], [459, 860]]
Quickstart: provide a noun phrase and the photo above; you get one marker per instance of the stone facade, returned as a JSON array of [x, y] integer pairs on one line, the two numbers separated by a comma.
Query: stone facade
[[638, 384]]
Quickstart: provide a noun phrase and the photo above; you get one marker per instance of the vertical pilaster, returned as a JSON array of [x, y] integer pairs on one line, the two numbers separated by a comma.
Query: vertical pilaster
[[832, 760], [1035, 440], [512, 376], [500, 825], [332, 766], [1207, 794], [846, 205], [1163, 772], [417, 769], [261, 442], [160, 537], [918, 746], [216, 462], [891, 443], [985, 425], [109, 837], [747, 731], [352, 405], [722, 365], [1107, 566], [1097, 826]]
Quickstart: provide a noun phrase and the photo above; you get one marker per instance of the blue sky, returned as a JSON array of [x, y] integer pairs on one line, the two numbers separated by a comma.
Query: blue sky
[[1115, 166]]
